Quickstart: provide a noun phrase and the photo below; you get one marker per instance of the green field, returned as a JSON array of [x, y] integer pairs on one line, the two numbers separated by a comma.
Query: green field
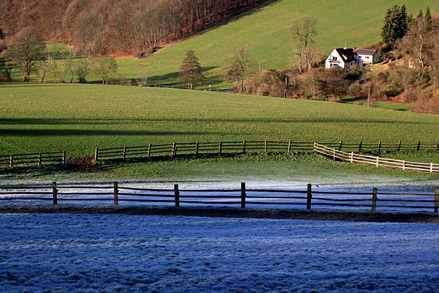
[[78, 118]]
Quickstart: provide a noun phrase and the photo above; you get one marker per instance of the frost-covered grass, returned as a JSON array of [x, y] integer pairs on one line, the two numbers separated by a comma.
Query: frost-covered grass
[[121, 253]]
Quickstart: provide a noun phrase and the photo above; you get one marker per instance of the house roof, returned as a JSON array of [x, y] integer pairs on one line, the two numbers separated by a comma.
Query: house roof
[[365, 51], [347, 54]]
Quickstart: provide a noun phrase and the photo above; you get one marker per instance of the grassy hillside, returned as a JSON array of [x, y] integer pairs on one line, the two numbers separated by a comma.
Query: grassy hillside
[[78, 118], [266, 32]]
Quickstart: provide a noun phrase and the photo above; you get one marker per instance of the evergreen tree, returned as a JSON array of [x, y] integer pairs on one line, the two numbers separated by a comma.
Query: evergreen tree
[[420, 14], [396, 23], [190, 70], [379, 56], [428, 19]]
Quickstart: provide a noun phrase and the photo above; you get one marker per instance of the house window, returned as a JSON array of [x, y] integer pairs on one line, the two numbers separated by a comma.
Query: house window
[[334, 58]]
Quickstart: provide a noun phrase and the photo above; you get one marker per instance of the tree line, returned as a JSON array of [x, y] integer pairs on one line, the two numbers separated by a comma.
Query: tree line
[[116, 26]]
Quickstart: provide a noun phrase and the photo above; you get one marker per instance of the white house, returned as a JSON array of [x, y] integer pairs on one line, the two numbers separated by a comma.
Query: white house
[[344, 58], [366, 55]]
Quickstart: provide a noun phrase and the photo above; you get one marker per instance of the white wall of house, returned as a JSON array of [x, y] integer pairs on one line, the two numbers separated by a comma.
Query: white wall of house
[[367, 59], [334, 60]]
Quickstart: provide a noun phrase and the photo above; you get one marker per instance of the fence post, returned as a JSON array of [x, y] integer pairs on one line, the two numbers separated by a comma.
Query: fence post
[[436, 200], [176, 195], [289, 147], [174, 149], [352, 157], [308, 197], [378, 161], [431, 167], [266, 146], [437, 146], [419, 145], [149, 150], [379, 146], [40, 157], [399, 146], [360, 146], [244, 143], [55, 193], [242, 195], [124, 154], [96, 154], [340, 145], [403, 165], [116, 193], [11, 161], [220, 147], [63, 158], [197, 147], [374, 200]]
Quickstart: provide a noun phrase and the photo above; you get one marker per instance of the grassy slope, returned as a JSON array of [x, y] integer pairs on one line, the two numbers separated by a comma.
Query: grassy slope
[[266, 32], [78, 118]]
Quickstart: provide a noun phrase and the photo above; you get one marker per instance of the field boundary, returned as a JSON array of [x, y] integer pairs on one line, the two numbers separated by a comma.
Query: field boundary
[[367, 153], [242, 197], [243, 146], [374, 160]]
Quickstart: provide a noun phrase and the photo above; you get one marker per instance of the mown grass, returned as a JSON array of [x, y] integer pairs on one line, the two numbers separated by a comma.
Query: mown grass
[[78, 118]]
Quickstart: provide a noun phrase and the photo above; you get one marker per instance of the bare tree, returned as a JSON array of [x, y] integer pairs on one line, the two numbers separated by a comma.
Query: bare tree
[[303, 31], [239, 66], [102, 67], [417, 40], [26, 52]]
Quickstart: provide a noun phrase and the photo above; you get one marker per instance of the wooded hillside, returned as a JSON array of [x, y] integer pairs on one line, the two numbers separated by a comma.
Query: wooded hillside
[[117, 26]]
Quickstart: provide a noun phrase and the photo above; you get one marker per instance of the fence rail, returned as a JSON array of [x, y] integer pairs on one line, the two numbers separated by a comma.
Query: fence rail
[[374, 160], [240, 197], [33, 159], [200, 148], [210, 148], [227, 147]]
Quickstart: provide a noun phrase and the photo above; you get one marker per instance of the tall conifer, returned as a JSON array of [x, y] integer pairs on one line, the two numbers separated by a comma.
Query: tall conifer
[[396, 23], [190, 70]]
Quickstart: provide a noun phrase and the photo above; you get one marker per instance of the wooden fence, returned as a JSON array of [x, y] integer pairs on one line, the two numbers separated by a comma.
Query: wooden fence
[[380, 147], [199, 148], [377, 161], [240, 197], [33, 159], [236, 147], [209, 148]]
